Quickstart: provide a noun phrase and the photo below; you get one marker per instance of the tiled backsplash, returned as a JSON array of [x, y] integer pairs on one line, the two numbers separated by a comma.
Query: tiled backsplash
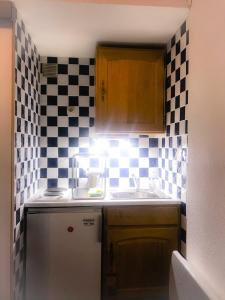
[[173, 149], [67, 128], [27, 139]]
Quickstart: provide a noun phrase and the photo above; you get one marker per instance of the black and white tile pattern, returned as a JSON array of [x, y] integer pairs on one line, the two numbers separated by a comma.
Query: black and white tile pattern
[[27, 138], [67, 128], [172, 157], [177, 82]]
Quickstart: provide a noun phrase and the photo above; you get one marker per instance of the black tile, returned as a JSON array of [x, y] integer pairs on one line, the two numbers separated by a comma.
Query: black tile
[[43, 152], [62, 69], [73, 142], [91, 80], [18, 63], [153, 142], [177, 74], [177, 47], [63, 152], [51, 100], [63, 173], [173, 90], [91, 101], [91, 122], [52, 60], [52, 163], [172, 117], [173, 41], [168, 106], [173, 66], [187, 38], [73, 60], [52, 121], [84, 69], [83, 132], [186, 126], [23, 55], [183, 56], [177, 128], [43, 131], [83, 111], [73, 80], [43, 172], [168, 58], [63, 90], [43, 110], [92, 61], [168, 82], [73, 121], [186, 98], [183, 85], [52, 142], [73, 101], [62, 110], [17, 216], [83, 91], [19, 94], [63, 132], [182, 113], [52, 183], [52, 80], [43, 89], [183, 29], [177, 102]]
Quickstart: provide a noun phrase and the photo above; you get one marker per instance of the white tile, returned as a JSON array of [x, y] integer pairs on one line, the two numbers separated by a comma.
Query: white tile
[[84, 80], [52, 90], [73, 90], [63, 79]]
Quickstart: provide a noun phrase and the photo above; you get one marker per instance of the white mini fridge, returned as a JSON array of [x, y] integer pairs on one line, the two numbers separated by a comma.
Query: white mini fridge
[[63, 254]]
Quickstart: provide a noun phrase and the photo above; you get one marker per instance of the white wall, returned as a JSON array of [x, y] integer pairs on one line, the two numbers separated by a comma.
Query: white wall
[[206, 171], [6, 80]]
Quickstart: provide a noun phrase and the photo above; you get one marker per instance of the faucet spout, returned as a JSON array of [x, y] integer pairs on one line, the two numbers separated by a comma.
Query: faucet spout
[[136, 182]]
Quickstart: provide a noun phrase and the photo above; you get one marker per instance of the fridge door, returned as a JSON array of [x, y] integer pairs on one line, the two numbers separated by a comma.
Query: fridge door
[[63, 251]]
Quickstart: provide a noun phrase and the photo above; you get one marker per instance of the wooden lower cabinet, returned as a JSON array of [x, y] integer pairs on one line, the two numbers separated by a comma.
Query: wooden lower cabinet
[[137, 261]]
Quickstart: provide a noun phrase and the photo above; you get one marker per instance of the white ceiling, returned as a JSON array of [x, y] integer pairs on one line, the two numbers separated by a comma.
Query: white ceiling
[[63, 28]]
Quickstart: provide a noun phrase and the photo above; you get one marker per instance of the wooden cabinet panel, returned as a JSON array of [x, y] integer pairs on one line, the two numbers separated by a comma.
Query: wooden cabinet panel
[[139, 261], [137, 248], [142, 215], [129, 90]]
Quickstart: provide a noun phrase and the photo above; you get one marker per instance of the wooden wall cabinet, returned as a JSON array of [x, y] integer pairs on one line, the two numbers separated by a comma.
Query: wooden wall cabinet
[[138, 245], [129, 90]]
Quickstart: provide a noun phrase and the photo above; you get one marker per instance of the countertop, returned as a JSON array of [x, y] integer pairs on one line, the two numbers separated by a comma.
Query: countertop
[[67, 201]]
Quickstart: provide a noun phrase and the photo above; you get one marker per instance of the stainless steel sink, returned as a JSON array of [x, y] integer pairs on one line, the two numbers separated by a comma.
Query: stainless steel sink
[[127, 195]]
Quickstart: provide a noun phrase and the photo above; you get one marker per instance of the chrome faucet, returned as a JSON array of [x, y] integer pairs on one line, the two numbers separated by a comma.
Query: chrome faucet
[[74, 175], [136, 182]]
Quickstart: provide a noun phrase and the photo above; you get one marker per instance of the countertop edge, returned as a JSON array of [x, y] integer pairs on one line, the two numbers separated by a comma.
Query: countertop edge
[[101, 203]]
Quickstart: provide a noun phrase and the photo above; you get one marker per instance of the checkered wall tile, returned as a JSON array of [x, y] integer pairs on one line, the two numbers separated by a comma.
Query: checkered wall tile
[[67, 127], [27, 138], [172, 158], [177, 83]]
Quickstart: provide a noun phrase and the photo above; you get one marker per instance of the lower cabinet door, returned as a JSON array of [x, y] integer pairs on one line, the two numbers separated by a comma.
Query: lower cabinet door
[[138, 262]]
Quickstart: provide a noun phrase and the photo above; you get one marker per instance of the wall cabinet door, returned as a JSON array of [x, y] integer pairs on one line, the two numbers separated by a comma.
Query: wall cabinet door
[[138, 262], [129, 90]]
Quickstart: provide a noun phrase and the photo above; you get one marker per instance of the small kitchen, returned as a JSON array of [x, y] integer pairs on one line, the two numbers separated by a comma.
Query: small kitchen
[[100, 149]]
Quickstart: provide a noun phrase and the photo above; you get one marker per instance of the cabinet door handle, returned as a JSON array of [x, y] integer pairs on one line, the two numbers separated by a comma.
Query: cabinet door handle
[[103, 90]]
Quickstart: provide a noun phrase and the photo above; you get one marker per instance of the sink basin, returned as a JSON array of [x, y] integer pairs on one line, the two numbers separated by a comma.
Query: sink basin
[[127, 195]]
